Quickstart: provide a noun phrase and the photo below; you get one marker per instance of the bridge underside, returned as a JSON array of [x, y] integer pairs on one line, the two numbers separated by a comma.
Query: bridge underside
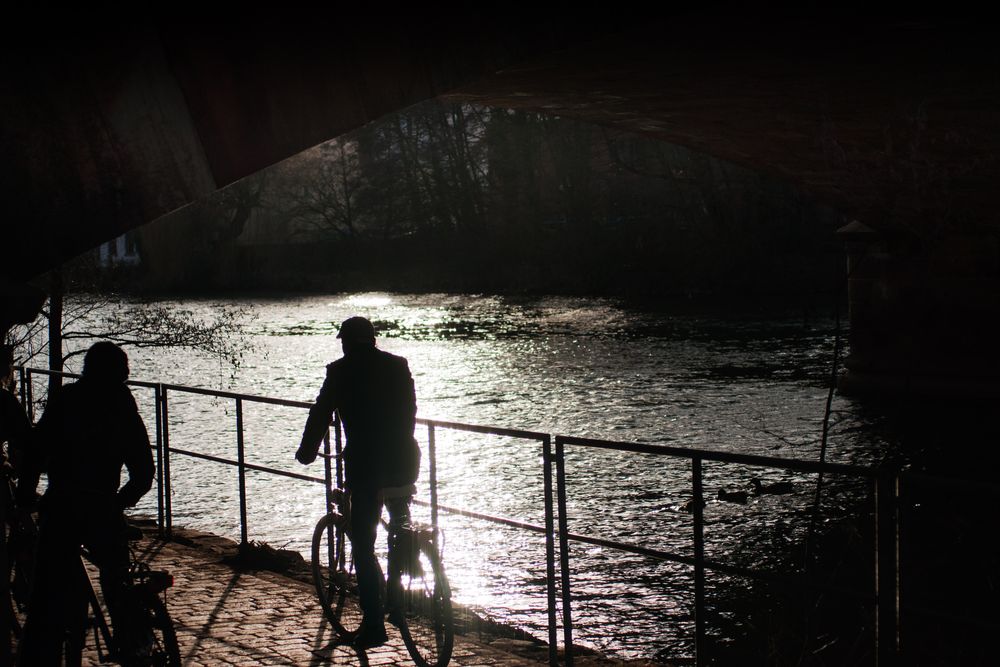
[[894, 123]]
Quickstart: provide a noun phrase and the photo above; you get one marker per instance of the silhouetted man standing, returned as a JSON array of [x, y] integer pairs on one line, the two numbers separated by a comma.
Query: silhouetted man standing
[[373, 392], [15, 430], [14, 425], [89, 431]]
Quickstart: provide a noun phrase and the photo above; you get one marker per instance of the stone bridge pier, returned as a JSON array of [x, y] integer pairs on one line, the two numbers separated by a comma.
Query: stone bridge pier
[[923, 320]]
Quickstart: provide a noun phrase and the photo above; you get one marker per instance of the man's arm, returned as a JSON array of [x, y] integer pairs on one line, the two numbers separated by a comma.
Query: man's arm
[[14, 425], [410, 398], [138, 462], [318, 422], [34, 456]]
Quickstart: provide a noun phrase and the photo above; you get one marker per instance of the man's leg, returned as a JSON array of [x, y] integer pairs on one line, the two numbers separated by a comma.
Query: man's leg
[[401, 549], [366, 508], [109, 551], [55, 592], [399, 512], [399, 553], [76, 622]]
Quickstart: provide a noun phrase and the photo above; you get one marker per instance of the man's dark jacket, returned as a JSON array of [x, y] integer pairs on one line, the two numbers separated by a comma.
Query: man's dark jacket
[[14, 425], [373, 392], [88, 432]]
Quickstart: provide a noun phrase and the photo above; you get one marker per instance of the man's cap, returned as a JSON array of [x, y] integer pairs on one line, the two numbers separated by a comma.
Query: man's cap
[[357, 328]]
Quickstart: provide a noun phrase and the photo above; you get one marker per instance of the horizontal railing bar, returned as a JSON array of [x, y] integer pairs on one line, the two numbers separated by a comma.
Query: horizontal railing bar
[[77, 376], [596, 541], [716, 566], [723, 457], [474, 428], [142, 383], [514, 523], [46, 371], [489, 430], [236, 395], [192, 390], [662, 450], [632, 548], [249, 466]]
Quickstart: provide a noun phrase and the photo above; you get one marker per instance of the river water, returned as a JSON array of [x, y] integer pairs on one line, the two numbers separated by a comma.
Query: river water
[[575, 366]]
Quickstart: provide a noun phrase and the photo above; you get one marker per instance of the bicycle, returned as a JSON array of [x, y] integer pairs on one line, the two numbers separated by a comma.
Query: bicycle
[[19, 535], [416, 594], [155, 641], [143, 586]]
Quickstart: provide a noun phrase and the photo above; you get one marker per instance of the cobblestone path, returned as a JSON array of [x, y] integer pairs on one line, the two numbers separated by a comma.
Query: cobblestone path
[[228, 617]]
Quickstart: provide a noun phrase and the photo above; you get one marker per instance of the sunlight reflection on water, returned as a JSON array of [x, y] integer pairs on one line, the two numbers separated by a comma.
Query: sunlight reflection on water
[[587, 367]]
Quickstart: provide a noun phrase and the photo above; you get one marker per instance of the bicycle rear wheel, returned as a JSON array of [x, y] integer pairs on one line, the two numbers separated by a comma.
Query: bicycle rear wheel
[[333, 574], [163, 650], [420, 599], [20, 541]]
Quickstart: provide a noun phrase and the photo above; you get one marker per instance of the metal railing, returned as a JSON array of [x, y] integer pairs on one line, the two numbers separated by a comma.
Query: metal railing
[[886, 545], [886, 483], [333, 472]]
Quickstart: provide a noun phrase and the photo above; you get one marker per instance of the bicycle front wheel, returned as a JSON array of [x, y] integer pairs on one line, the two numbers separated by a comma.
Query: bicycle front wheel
[[333, 574], [420, 601]]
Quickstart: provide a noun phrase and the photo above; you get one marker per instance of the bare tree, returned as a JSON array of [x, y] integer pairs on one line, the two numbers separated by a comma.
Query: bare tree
[[85, 318], [322, 191]]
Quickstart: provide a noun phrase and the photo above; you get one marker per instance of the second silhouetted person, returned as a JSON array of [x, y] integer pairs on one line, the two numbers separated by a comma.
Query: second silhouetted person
[[373, 392]]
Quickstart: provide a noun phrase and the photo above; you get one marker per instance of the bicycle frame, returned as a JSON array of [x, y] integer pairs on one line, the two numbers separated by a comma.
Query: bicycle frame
[[140, 578], [412, 555], [339, 504], [100, 620]]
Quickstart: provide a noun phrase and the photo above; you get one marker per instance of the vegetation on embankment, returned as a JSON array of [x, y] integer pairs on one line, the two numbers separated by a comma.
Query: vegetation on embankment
[[456, 198]]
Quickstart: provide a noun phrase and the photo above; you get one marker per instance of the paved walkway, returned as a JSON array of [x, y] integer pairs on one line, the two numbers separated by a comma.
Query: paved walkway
[[227, 617]]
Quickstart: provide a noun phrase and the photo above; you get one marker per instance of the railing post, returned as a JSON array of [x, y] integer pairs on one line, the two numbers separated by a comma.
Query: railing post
[[167, 507], [432, 471], [901, 490], [886, 571], [20, 386], [327, 470], [339, 445], [564, 552], [550, 549], [159, 457], [242, 471], [340, 535], [699, 561], [29, 396]]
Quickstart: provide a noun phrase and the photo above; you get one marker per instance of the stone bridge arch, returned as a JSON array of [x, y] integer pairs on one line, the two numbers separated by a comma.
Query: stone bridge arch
[[893, 121]]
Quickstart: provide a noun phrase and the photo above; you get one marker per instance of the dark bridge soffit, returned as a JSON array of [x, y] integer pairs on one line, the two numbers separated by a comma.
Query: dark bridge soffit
[[897, 123], [101, 133], [104, 130]]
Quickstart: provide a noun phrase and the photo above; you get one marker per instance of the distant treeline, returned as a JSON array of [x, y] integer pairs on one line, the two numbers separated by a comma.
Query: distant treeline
[[450, 197]]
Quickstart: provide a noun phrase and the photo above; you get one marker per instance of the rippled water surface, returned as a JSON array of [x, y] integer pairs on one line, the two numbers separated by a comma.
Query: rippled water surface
[[585, 367]]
